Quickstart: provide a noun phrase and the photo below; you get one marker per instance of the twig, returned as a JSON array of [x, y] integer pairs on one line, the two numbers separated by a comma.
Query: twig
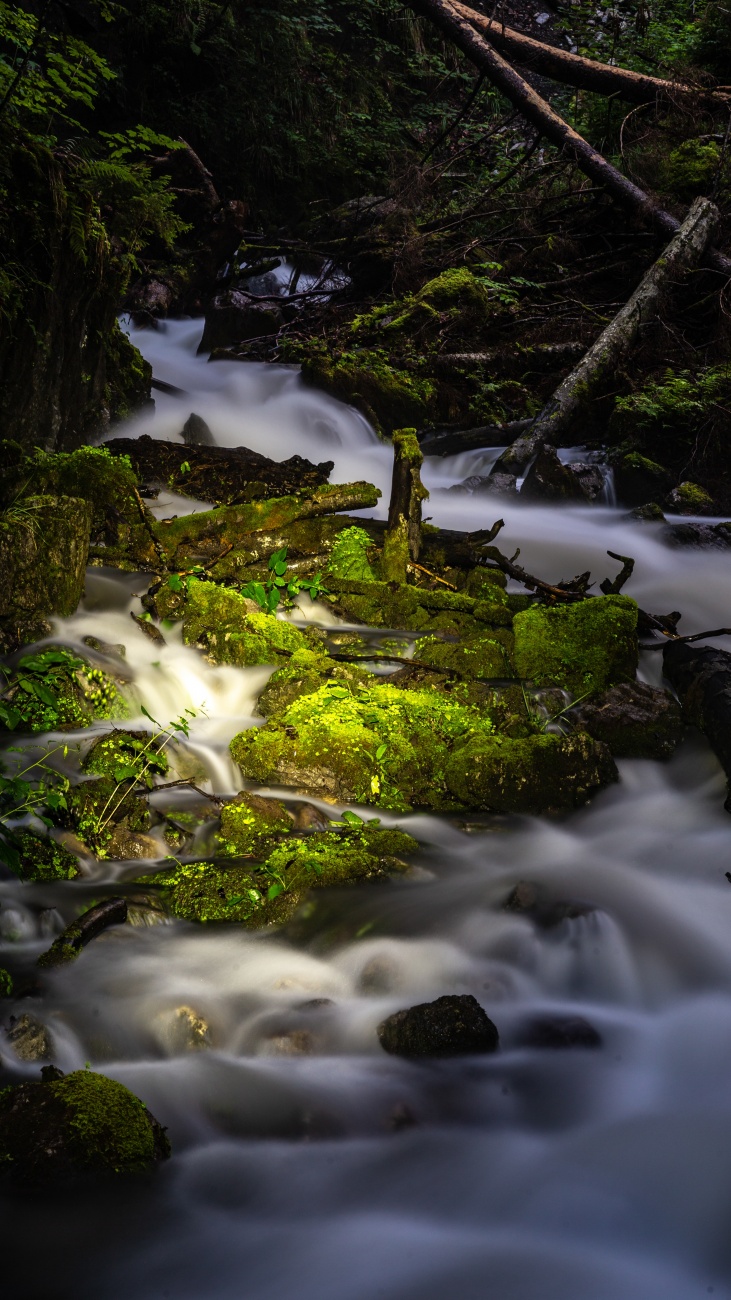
[[214, 798], [680, 640], [613, 588], [413, 565], [570, 591]]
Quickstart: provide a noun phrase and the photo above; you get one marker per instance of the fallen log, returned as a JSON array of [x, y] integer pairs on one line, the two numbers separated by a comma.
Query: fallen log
[[540, 114], [702, 679], [585, 74], [684, 251], [68, 945], [402, 543]]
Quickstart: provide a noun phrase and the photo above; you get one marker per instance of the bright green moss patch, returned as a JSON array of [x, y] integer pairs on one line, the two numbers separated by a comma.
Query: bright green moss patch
[[55, 689], [251, 824], [399, 605], [349, 555], [221, 622], [42, 858], [543, 773], [126, 755], [303, 674], [74, 1127], [271, 893], [583, 647]]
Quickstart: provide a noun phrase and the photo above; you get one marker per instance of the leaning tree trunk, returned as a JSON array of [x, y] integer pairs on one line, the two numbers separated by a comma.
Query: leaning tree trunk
[[702, 678], [586, 74], [684, 251], [402, 543], [550, 124]]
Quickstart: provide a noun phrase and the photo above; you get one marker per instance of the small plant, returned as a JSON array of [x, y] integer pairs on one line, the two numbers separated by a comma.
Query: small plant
[[22, 794], [137, 762], [349, 555], [49, 689], [278, 587], [179, 581]]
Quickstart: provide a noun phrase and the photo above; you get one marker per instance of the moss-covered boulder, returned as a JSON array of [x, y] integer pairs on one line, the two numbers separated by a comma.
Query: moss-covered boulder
[[231, 631], [303, 674], [252, 825], [583, 647], [399, 605], [97, 808], [72, 1128], [127, 756], [535, 774], [401, 749], [44, 545], [389, 396], [55, 690], [271, 893], [41, 858], [482, 658]]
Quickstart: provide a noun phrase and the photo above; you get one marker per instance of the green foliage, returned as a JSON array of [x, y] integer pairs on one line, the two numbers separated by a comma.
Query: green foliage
[[36, 790], [349, 555], [54, 688], [280, 587], [681, 402]]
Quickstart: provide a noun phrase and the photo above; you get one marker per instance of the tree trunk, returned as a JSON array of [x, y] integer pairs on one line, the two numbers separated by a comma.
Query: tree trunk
[[402, 542], [538, 112], [684, 251], [702, 678], [574, 70]]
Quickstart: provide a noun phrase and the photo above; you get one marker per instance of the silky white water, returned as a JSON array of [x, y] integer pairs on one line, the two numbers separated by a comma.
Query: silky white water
[[346, 1174]]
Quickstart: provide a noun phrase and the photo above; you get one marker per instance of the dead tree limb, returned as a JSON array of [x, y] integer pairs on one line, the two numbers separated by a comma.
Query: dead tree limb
[[402, 542], [574, 70], [684, 251], [564, 592], [539, 113]]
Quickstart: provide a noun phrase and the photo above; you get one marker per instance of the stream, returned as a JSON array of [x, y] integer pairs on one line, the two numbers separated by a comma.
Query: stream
[[309, 1165]]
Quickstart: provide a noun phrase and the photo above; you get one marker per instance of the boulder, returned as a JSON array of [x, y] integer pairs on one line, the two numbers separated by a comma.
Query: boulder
[[690, 499], [454, 1025], [29, 1038], [234, 317], [581, 647], [44, 545], [635, 720], [548, 479], [712, 536], [73, 1128], [638, 479], [196, 433], [535, 901]]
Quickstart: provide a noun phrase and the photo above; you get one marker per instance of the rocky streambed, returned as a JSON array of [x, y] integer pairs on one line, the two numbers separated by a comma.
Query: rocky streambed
[[391, 888]]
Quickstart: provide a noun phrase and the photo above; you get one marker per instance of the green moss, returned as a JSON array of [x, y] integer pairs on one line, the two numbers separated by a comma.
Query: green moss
[[42, 858], [398, 605], [530, 775], [128, 375], [79, 1125], [482, 658], [56, 690], [349, 555], [6, 983], [252, 825], [691, 499], [582, 647], [304, 674], [272, 892], [95, 807], [121, 750], [691, 169], [388, 396], [221, 622]]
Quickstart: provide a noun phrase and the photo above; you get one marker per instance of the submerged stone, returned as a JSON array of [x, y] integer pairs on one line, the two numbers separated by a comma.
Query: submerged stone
[[582, 647], [75, 1128], [455, 1025]]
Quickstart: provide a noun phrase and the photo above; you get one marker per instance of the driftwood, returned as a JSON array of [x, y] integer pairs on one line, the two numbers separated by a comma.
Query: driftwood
[[68, 945], [550, 124], [702, 679], [402, 543], [684, 251], [575, 70]]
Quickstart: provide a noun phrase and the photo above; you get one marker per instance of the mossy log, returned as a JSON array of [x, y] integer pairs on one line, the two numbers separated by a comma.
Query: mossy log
[[599, 364], [402, 543]]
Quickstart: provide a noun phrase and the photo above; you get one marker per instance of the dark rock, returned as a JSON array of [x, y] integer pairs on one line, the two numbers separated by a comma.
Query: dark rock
[[549, 480], [690, 499], [702, 677], [29, 1038], [651, 513], [44, 544], [499, 484], [149, 628], [234, 317], [452, 1026], [535, 901], [69, 1129], [637, 480], [635, 720], [714, 536], [559, 1032], [196, 432], [228, 475], [150, 298]]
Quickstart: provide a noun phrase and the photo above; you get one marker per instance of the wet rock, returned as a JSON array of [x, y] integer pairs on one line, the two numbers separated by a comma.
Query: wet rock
[[455, 1025], [43, 858], [196, 432], [499, 484], [29, 1038], [651, 513], [105, 647], [544, 909], [690, 499], [221, 622], [44, 545], [252, 824], [559, 1032], [126, 845], [218, 474], [702, 677], [308, 818], [297, 1042], [182, 1030], [635, 720], [78, 1127], [234, 317], [548, 479], [583, 647], [637, 480], [148, 627], [150, 299], [713, 536]]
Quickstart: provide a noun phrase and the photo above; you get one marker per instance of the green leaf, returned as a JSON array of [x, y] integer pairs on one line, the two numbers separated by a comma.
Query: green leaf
[[352, 818], [125, 772], [380, 752], [175, 582], [274, 891]]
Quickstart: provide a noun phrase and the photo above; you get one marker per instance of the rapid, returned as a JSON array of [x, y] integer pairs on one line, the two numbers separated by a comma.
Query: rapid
[[341, 1173]]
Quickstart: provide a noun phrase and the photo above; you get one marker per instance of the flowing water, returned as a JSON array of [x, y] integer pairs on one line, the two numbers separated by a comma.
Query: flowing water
[[343, 1173]]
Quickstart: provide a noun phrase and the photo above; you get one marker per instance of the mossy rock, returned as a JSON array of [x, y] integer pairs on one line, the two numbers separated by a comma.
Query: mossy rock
[[638, 479], [349, 555], [42, 858], [207, 892], [582, 647], [303, 674], [129, 375], [253, 825], [691, 499], [399, 605], [536, 774], [482, 658], [223, 623], [74, 1128], [691, 169], [96, 807], [55, 690], [119, 751], [390, 397], [44, 546], [7, 983]]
